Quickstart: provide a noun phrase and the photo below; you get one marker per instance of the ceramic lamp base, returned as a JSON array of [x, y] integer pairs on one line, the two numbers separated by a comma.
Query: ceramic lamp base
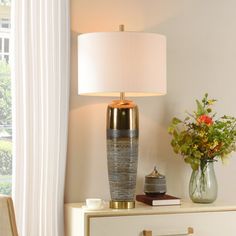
[[122, 152]]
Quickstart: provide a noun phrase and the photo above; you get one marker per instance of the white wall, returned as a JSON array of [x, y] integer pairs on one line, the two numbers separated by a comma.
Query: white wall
[[201, 41]]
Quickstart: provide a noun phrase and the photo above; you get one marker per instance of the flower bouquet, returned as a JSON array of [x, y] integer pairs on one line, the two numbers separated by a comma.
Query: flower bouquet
[[201, 139]]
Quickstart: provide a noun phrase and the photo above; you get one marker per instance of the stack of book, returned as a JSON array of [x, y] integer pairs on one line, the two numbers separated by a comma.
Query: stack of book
[[158, 200]]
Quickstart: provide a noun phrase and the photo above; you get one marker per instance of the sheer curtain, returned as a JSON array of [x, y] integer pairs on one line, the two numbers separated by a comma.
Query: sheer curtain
[[40, 73]]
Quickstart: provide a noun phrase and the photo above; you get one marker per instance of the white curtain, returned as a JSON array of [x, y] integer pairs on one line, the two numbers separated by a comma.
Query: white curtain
[[40, 73]]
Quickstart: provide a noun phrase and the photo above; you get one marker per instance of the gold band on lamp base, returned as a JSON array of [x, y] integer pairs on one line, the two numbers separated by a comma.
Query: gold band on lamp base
[[122, 204]]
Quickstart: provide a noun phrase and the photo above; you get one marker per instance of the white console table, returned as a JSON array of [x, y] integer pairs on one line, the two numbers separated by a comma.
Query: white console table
[[217, 219]]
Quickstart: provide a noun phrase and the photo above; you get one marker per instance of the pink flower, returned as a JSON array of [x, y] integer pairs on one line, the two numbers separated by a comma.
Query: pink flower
[[205, 119]]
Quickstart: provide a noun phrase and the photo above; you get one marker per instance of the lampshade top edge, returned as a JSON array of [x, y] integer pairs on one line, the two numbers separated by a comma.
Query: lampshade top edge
[[120, 32], [127, 94]]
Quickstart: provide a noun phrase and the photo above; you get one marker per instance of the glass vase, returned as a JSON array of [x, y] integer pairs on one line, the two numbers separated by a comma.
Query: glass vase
[[203, 184]]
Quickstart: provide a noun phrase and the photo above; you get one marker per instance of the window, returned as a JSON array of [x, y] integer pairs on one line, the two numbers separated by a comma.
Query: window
[[5, 23], [5, 100], [4, 46]]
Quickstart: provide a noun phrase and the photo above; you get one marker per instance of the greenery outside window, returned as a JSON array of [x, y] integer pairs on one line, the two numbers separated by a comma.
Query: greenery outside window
[[5, 101]]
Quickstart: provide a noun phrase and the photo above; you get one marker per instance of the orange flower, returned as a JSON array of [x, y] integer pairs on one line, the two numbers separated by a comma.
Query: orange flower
[[205, 119]]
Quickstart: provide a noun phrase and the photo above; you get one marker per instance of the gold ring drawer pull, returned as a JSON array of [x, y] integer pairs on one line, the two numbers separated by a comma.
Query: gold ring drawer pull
[[190, 231]]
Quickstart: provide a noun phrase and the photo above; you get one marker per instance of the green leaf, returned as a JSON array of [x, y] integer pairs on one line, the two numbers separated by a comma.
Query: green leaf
[[176, 149], [171, 129], [188, 160], [200, 109], [209, 110], [175, 134], [176, 121], [173, 143], [197, 154], [184, 148], [194, 165]]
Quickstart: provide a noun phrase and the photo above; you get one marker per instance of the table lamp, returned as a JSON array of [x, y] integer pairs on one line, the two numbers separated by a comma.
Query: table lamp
[[120, 64]]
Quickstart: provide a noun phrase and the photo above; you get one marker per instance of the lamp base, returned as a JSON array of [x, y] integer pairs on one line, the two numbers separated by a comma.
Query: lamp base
[[122, 152], [122, 204]]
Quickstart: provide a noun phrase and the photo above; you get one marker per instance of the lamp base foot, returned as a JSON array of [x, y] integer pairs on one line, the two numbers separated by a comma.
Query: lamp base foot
[[122, 204]]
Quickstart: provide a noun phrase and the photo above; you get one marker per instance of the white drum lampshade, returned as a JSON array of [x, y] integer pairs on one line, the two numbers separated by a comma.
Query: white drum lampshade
[[130, 62]]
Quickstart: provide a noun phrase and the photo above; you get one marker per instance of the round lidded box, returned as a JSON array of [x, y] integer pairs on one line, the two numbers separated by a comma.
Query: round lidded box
[[155, 183]]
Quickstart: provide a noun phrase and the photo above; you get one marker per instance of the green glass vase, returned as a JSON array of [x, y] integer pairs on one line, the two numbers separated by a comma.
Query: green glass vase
[[203, 184]]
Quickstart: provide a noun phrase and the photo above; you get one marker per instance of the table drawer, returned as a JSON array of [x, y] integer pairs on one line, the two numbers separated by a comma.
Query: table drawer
[[203, 224]]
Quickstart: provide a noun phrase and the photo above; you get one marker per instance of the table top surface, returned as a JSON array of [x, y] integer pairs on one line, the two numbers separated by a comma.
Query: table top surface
[[186, 206]]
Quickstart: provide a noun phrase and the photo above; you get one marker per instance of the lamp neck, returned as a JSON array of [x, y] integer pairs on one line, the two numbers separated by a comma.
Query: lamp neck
[[122, 96]]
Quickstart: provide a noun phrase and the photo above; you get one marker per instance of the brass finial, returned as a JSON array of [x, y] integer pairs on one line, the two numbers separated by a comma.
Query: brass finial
[[121, 28]]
